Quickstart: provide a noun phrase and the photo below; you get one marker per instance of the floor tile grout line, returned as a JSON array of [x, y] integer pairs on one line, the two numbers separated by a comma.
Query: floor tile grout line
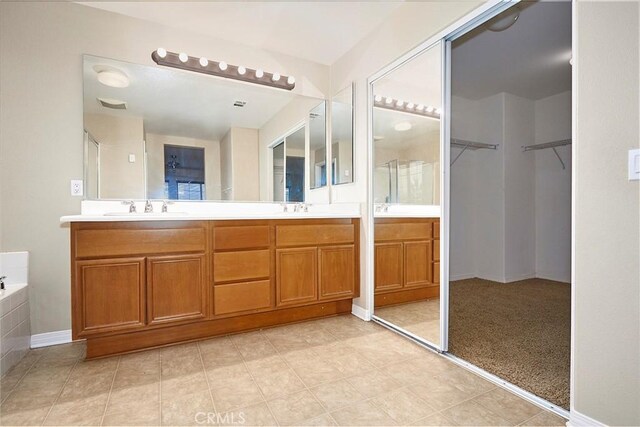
[[160, 387], [244, 362], [19, 380], [60, 392], [113, 380], [206, 378], [540, 410], [286, 362]]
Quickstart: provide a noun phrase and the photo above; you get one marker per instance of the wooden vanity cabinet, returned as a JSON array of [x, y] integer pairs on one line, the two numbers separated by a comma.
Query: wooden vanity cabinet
[[406, 263], [145, 284]]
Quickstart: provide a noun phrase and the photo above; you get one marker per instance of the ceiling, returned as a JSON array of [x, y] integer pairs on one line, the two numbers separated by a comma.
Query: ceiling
[[180, 103], [530, 59], [316, 31], [423, 129]]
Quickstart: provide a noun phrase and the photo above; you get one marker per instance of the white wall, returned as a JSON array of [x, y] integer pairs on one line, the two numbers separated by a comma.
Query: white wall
[[156, 163], [553, 189], [41, 137], [226, 167], [606, 304], [245, 160], [118, 137]]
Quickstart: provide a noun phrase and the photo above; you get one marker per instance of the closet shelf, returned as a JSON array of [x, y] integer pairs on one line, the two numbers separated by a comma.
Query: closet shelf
[[470, 145], [552, 145]]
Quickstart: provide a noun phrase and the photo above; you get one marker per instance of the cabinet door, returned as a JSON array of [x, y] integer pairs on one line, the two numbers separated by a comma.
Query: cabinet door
[[109, 296], [388, 266], [176, 288], [336, 266], [417, 264], [296, 276]]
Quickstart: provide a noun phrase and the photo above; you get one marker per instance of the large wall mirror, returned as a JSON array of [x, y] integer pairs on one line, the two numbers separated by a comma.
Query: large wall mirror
[[406, 172], [158, 133]]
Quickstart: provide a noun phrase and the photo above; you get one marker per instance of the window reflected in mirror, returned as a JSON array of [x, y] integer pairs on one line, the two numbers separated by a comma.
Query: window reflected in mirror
[[184, 175], [288, 160], [342, 137]]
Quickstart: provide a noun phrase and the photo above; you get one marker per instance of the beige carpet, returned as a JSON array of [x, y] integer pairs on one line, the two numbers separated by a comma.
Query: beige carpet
[[519, 331]]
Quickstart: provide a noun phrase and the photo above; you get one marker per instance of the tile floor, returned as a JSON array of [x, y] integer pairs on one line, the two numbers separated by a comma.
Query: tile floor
[[421, 318], [334, 371]]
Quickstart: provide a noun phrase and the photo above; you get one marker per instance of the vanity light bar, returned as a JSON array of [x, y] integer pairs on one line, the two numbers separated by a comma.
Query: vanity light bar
[[389, 103], [221, 69]]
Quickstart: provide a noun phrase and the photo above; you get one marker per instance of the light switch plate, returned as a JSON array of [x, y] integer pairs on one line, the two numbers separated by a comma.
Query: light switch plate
[[634, 165], [132, 158], [77, 187]]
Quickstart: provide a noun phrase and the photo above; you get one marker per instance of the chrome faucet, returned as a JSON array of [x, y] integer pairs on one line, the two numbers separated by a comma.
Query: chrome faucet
[[382, 207], [165, 206], [132, 205], [148, 207], [285, 207], [301, 207]]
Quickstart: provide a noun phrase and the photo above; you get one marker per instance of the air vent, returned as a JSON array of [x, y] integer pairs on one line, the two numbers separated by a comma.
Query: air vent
[[314, 115], [114, 104], [239, 104]]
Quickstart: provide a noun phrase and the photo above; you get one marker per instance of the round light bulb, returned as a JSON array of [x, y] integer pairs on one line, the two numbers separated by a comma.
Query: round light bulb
[[259, 73], [162, 53], [399, 103], [204, 61], [430, 109], [388, 100], [420, 107], [410, 106], [438, 111], [378, 98], [291, 80], [222, 65], [275, 77], [241, 70], [183, 57]]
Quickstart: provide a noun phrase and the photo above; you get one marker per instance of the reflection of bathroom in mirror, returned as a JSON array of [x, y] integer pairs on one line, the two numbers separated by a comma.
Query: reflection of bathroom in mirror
[[172, 134], [342, 136], [318, 146], [406, 175], [288, 167]]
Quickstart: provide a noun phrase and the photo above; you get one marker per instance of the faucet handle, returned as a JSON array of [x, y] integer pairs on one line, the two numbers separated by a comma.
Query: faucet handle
[[132, 205], [165, 205], [285, 207], [148, 207]]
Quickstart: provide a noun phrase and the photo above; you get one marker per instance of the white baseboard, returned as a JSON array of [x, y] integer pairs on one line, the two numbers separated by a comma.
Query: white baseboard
[[360, 312], [576, 419], [50, 338], [554, 277], [461, 277], [520, 277]]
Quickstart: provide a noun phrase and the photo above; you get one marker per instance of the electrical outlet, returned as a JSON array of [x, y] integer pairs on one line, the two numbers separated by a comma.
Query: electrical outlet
[[76, 187]]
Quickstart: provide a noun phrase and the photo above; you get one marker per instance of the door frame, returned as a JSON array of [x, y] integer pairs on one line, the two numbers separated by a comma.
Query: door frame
[[470, 21]]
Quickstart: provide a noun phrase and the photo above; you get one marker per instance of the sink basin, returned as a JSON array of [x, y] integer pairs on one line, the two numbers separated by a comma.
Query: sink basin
[[146, 215]]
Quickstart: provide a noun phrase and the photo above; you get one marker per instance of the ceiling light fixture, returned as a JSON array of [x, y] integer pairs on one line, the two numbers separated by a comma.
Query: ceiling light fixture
[[504, 21], [112, 77], [402, 126], [221, 69], [389, 103]]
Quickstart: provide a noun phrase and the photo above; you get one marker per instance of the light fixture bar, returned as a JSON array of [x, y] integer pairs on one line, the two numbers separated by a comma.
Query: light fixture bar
[[221, 69], [406, 107]]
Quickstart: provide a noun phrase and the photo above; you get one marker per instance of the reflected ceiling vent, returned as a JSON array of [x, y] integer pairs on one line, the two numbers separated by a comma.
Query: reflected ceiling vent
[[314, 115], [114, 104], [239, 104]]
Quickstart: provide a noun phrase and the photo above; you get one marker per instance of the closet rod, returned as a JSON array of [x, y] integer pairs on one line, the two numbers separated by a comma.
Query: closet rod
[[552, 145], [471, 145]]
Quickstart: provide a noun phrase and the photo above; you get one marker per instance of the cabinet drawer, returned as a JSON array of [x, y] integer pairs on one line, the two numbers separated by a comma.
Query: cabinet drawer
[[242, 237], [239, 297], [403, 231], [142, 241], [436, 250], [244, 265], [316, 234]]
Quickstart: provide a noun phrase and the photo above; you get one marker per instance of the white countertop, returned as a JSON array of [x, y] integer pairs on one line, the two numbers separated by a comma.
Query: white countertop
[[115, 211], [406, 211]]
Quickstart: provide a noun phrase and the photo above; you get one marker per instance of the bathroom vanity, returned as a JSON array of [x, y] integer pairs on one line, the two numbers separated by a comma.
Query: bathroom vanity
[[139, 284], [407, 260]]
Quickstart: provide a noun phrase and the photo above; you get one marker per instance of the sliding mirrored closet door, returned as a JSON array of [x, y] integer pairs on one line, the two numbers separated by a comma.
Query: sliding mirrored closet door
[[406, 144]]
